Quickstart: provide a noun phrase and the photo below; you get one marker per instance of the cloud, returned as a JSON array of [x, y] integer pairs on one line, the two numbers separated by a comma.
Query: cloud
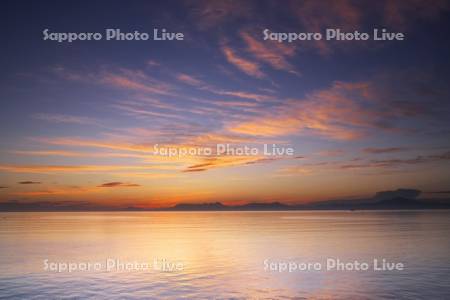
[[250, 68], [316, 16], [332, 152], [194, 169], [348, 15], [46, 169], [400, 193], [337, 113], [186, 142], [360, 164], [439, 192], [188, 79], [50, 153], [396, 162], [402, 15], [267, 126], [83, 154], [49, 206], [352, 110], [55, 191], [153, 63], [207, 14], [215, 138], [62, 118], [275, 54], [244, 95], [141, 112], [29, 182], [193, 81], [384, 150], [137, 81], [118, 184], [148, 175], [222, 161], [121, 78], [115, 145], [293, 171]]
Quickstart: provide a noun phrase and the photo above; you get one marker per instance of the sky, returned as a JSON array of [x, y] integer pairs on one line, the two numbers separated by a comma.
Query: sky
[[80, 121]]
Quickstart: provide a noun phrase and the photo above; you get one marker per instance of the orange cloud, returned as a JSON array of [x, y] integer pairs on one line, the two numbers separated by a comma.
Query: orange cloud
[[274, 54], [267, 126], [340, 112], [214, 138], [69, 190], [96, 144], [136, 80], [82, 154], [223, 161], [246, 66], [74, 168]]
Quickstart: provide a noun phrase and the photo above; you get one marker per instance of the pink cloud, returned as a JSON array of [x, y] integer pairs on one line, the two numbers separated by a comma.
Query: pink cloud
[[274, 54], [250, 68]]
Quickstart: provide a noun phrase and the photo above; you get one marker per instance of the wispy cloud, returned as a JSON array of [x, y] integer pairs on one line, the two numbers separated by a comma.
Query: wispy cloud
[[346, 111], [275, 54], [118, 184], [329, 113], [83, 154], [120, 78], [136, 80], [223, 161], [57, 191], [189, 79], [316, 16], [79, 142], [63, 118], [401, 15], [142, 112], [332, 152], [293, 171], [384, 150], [202, 85], [397, 162], [29, 182], [210, 14], [48, 169], [244, 95], [390, 165], [249, 67]]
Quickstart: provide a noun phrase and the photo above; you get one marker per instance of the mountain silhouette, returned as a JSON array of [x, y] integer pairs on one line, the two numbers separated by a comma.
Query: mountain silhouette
[[385, 200]]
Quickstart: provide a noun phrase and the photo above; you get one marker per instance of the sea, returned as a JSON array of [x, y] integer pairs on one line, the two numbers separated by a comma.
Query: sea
[[225, 255]]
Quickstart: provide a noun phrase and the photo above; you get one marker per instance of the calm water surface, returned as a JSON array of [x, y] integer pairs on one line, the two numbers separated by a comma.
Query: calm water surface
[[223, 255]]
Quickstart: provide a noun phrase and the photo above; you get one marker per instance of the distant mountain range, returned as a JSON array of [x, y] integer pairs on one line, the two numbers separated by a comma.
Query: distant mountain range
[[396, 203], [396, 200]]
